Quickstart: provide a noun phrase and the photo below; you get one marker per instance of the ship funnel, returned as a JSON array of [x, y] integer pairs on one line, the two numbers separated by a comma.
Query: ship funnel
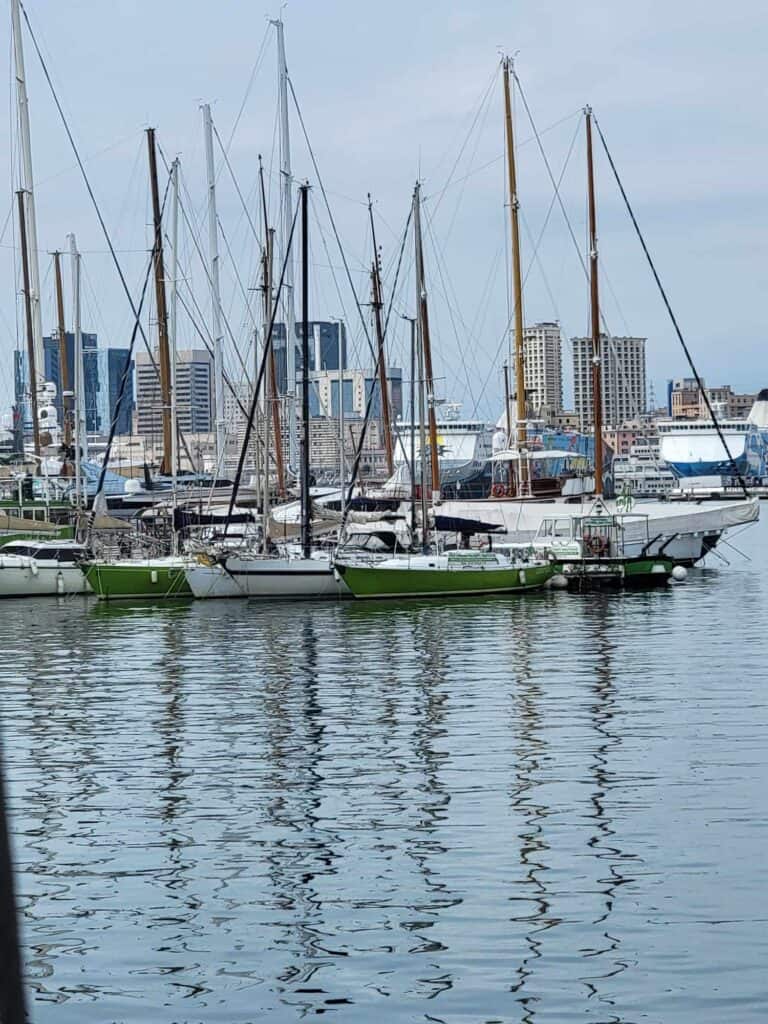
[[758, 414]]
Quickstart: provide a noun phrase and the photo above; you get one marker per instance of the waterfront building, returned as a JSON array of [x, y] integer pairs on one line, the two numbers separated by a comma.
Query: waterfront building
[[111, 364], [686, 402], [683, 398], [52, 373], [194, 393], [543, 369], [623, 380], [324, 339]]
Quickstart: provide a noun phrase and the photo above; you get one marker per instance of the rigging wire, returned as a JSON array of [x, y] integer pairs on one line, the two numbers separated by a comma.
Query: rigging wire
[[89, 188], [670, 311], [556, 186]]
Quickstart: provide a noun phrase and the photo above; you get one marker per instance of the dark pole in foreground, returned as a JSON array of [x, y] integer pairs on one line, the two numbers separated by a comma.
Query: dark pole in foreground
[[594, 305], [306, 507], [12, 1002]]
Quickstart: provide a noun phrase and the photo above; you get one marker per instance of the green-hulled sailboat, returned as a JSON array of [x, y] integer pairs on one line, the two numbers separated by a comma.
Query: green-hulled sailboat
[[453, 573], [158, 578]]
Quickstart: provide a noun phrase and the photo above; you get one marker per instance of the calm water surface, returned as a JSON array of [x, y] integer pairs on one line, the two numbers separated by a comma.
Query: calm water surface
[[548, 809]]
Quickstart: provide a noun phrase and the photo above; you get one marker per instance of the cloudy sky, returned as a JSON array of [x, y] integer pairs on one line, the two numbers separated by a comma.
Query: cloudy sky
[[397, 91]]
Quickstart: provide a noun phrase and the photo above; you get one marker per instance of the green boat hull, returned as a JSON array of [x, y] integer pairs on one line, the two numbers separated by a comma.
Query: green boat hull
[[113, 581], [370, 581]]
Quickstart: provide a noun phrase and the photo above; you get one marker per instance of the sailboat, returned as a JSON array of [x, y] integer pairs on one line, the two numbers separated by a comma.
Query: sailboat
[[164, 576], [590, 549], [300, 572], [684, 534], [436, 573]]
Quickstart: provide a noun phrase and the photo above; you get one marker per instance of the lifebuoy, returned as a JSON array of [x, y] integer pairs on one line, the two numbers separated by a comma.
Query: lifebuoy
[[498, 491]]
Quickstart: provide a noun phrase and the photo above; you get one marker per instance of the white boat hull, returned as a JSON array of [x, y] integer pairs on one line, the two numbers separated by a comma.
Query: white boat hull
[[269, 578], [25, 580], [682, 532]]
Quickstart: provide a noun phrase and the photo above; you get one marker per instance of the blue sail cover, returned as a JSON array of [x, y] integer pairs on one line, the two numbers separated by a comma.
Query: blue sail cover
[[114, 484]]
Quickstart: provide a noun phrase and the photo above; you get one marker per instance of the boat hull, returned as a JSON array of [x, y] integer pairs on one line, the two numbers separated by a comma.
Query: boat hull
[[683, 532], [158, 579], [612, 574], [41, 581], [372, 581], [267, 578]]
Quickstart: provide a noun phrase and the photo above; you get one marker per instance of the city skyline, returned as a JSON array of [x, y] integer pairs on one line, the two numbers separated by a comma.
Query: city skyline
[[701, 227]]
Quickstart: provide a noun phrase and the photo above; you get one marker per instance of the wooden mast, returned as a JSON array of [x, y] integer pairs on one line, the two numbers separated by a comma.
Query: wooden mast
[[377, 303], [32, 368], [64, 381], [271, 376], [421, 295], [597, 395], [517, 286], [166, 464]]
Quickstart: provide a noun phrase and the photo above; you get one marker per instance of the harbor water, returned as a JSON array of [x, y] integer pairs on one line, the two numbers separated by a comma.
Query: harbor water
[[538, 808]]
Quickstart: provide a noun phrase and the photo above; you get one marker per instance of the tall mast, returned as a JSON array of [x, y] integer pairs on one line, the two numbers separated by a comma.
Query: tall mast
[[162, 312], [31, 354], [597, 395], [27, 185], [213, 255], [381, 355], [81, 435], [266, 262], [426, 348], [271, 376], [517, 282], [306, 509], [64, 381], [173, 321], [286, 183]]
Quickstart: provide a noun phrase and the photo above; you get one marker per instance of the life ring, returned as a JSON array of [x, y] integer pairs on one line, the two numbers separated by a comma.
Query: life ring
[[498, 491]]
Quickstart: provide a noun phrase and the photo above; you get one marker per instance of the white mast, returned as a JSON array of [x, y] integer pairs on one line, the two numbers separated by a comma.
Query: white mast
[[213, 251], [81, 430], [172, 318], [29, 197], [289, 317]]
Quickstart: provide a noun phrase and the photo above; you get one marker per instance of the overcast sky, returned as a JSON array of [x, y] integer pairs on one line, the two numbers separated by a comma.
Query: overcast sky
[[394, 91]]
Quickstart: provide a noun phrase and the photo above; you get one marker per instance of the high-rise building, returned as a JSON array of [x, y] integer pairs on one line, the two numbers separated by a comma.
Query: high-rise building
[[52, 373], [194, 395], [324, 339], [356, 388], [684, 398], [623, 381], [543, 369], [111, 365]]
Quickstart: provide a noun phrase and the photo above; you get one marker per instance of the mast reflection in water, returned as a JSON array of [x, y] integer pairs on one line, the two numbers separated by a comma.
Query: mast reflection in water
[[540, 808]]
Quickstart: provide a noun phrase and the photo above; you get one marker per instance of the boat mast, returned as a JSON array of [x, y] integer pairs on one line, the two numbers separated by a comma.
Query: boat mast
[[517, 284], [412, 322], [376, 302], [425, 346], [266, 263], [422, 444], [342, 461], [31, 354], [286, 179], [271, 375], [173, 320], [597, 395], [306, 510], [30, 219], [81, 434], [162, 312], [213, 255], [64, 382]]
